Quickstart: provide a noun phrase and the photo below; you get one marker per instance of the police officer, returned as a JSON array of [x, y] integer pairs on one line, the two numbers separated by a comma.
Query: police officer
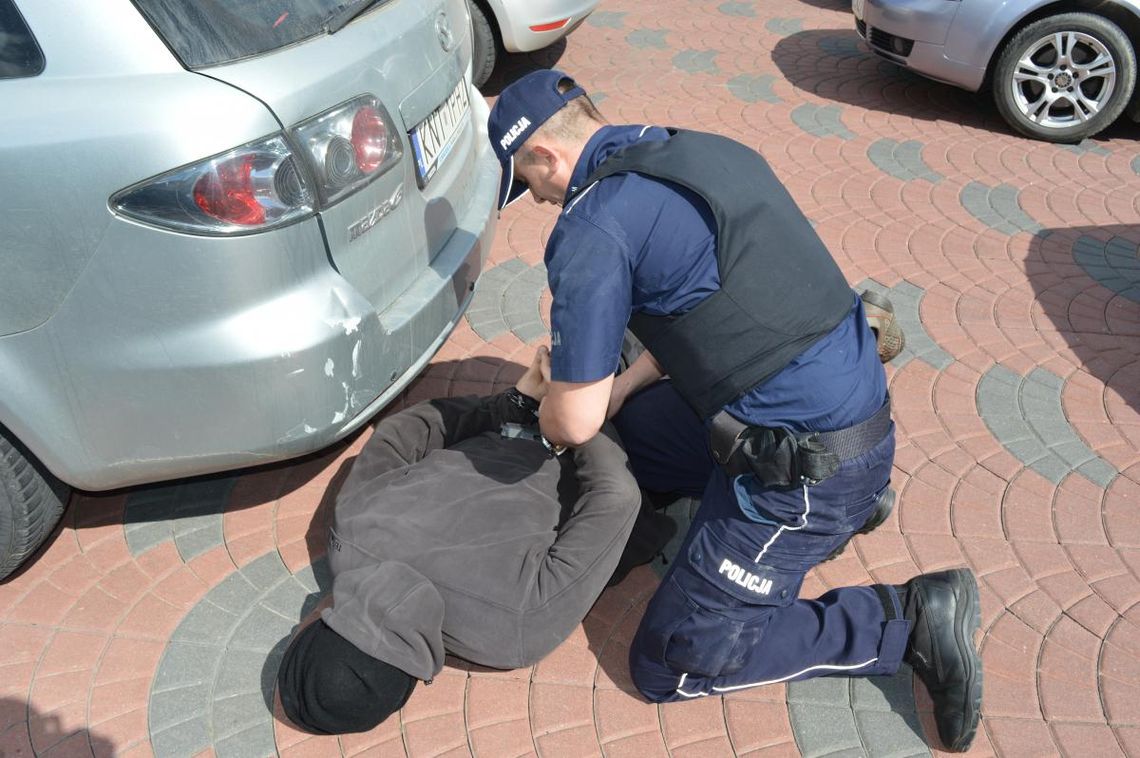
[[775, 411]]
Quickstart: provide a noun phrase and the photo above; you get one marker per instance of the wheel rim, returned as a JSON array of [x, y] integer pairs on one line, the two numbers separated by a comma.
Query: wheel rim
[[1064, 79]]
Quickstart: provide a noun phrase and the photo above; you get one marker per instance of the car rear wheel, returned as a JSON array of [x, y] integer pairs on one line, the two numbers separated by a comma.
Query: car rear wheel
[[1066, 77], [485, 50], [31, 503]]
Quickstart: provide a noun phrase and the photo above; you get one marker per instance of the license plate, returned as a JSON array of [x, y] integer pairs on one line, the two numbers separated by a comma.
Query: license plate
[[433, 138], [857, 9]]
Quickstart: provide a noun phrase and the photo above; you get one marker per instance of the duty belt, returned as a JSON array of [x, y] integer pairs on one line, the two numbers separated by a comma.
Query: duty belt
[[780, 458]]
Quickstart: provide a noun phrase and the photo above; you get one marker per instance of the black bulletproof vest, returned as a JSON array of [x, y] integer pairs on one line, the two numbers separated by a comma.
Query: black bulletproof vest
[[780, 289]]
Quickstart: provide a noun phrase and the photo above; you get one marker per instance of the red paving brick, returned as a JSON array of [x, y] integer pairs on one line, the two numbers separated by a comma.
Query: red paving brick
[[84, 628]]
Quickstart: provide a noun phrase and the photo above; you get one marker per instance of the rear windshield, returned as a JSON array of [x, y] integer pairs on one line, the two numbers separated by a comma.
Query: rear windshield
[[209, 32], [19, 54]]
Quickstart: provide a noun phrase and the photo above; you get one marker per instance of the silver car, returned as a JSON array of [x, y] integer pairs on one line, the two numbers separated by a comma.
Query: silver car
[[1058, 72], [231, 231], [520, 26]]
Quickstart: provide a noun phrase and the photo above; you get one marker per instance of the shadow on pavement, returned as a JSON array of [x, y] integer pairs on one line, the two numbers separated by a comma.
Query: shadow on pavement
[[515, 66], [836, 64], [24, 731], [1086, 280], [829, 5]]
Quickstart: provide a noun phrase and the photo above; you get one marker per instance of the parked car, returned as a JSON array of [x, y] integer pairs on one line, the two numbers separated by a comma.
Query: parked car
[[1058, 71], [520, 26], [230, 232]]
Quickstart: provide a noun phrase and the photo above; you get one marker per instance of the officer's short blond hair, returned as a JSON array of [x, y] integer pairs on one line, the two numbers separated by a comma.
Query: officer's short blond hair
[[577, 120]]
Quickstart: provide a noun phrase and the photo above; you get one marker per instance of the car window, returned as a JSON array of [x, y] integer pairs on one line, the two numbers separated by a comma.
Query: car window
[[19, 53], [209, 32]]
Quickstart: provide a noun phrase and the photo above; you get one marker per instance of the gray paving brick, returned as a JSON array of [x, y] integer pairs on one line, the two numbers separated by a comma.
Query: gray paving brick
[[508, 300], [821, 121], [606, 19], [239, 673], [1033, 453], [734, 8], [254, 742], [234, 594], [1098, 471], [902, 160], [784, 26], [206, 623], [696, 61], [530, 331], [1073, 452], [997, 208], [286, 599], [1052, 468], [826, 690], [1004, 199], [489, 329], [891, 735], [825, 731], [753, 89], [884, 693], [194, 542], [1136, 164], [1087, 146], [266, 571], [261, 630], [1114, 264], [177, 707], [642, 39], [1027, 418], [143, 536], [186, 664], [188, 738], [238, 713]]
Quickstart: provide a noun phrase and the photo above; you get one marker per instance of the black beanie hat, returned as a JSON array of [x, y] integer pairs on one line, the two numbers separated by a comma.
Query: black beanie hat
[[328, 686]]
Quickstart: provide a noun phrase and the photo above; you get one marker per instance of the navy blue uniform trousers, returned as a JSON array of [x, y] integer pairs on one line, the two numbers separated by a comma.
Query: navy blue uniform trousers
[[728, 615]]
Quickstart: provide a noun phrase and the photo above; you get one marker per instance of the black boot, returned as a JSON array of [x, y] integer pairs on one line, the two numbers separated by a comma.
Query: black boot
[[944, 613], [883, 507]]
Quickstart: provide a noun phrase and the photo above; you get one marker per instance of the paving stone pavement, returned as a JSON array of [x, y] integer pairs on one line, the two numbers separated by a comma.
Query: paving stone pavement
[[152, 622]]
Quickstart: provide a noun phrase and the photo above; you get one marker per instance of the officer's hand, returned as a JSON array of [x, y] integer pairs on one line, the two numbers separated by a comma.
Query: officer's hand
[[536, 380]]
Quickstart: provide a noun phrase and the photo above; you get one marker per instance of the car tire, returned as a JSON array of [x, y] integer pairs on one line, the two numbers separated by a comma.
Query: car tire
[[1030, 66], [31, 503], [485, 48]]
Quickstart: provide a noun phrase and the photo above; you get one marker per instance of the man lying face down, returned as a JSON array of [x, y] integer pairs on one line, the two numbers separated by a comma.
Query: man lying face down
[[450, 535]]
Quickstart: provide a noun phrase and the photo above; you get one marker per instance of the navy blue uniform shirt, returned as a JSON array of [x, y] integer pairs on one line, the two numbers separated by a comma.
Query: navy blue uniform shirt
[[632, 244]]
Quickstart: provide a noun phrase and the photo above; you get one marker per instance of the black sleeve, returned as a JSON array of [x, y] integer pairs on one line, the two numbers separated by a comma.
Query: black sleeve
[[406, 437]]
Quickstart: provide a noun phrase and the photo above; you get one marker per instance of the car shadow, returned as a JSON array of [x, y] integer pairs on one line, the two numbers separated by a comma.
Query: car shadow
[[829, 5], [511, 67], [1086, 281], [836, 64]]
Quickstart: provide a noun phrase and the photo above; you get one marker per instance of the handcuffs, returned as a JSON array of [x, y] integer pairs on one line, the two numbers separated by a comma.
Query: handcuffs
[[513, 430]]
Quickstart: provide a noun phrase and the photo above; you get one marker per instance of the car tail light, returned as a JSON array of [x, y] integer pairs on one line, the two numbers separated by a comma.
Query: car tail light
[[550, 26], [348, 146], [251, 188]]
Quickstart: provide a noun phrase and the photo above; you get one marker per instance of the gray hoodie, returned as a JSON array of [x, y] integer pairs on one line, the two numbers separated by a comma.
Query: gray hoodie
[[448, 536]]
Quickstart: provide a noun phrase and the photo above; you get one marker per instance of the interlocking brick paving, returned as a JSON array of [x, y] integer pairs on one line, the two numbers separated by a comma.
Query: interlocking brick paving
[[902, 160], [507, 300], [152, 621]]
